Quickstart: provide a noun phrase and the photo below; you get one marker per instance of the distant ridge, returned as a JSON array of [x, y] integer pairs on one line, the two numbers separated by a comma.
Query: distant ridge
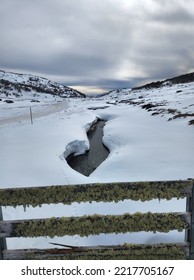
[[186, 78]]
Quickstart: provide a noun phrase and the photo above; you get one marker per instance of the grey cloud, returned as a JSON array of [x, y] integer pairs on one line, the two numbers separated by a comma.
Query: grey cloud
[[106, 84], [163, 47], [97, 41], [172, 12]]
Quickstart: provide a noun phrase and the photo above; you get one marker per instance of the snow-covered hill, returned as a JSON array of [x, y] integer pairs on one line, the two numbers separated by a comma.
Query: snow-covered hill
[[14, 85], [171, 99]]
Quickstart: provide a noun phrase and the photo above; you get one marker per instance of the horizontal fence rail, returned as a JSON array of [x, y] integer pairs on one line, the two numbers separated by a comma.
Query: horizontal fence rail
[[125, 252], [104, 192], [97, 224]]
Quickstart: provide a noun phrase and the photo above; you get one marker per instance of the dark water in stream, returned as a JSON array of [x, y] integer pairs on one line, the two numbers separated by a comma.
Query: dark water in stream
[[88, 162]]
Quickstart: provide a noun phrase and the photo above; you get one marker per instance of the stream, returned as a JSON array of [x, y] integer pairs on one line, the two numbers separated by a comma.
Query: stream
[[98, 152]]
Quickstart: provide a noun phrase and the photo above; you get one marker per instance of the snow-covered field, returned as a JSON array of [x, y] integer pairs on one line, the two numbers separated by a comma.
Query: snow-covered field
[[142, 147]]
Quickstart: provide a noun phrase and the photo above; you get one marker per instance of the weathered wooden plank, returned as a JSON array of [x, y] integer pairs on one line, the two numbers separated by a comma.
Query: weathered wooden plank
[[189, 233], [126, 251], [192, 226], [104, 192], [3, 245], [96, 224]]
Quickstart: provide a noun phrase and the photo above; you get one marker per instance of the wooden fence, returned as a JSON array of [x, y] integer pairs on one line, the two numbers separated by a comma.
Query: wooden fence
[[96, 224]]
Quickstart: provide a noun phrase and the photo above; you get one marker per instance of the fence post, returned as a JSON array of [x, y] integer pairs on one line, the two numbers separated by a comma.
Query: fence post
[[192, 224], [3, 245], [189, 235], [31, 115]]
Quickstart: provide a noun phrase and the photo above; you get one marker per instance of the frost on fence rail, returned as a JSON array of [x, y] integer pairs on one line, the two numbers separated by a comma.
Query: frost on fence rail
[[168, 251], [99, 192], [96, 224]]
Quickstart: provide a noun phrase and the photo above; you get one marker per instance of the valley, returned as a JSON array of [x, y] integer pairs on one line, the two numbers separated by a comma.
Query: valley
[[146, 140]]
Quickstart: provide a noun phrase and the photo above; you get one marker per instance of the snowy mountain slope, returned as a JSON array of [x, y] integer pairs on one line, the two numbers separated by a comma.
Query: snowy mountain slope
[[13, 85], [20, 93], [171, 101]]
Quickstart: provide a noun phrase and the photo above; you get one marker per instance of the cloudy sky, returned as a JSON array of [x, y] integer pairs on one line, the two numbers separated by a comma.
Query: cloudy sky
[[98, 45]]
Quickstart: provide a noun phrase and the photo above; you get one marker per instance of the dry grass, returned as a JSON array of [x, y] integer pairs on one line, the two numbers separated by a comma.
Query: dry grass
[[191, 122]]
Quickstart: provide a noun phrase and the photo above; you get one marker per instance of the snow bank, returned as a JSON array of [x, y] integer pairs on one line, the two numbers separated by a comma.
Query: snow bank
[[76, 147]]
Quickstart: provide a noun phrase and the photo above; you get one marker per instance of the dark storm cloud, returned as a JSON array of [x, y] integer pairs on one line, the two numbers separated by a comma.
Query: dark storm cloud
[[104, 43]]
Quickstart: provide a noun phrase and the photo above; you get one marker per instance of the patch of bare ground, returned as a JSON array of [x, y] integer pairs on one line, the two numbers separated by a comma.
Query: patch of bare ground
[[185, 115], [158, 109], [191, 122]]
